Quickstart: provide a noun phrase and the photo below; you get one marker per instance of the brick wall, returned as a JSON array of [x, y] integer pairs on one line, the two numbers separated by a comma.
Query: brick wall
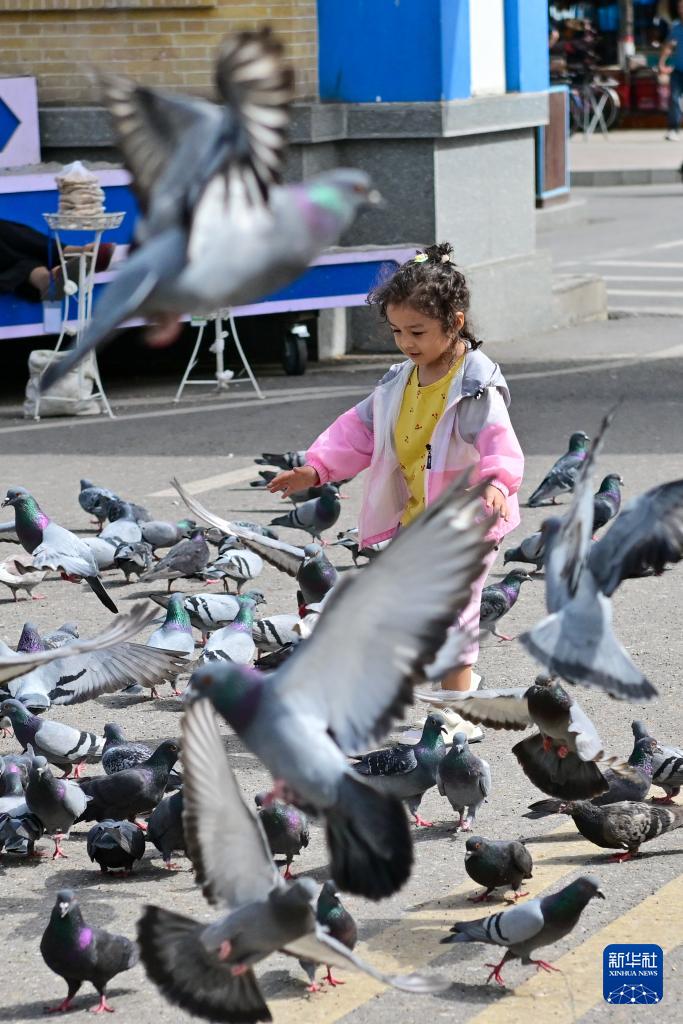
[[158, 42]]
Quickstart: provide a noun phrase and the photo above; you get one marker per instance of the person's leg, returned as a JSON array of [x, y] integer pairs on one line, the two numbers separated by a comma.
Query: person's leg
[[460, 679], [676, 87]]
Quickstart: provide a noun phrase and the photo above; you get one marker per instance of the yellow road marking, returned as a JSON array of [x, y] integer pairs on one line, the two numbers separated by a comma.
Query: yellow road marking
[[582, 967], [413, 941]]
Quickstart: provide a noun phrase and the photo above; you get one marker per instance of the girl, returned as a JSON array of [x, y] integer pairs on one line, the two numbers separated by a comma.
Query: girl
[[429, 418]]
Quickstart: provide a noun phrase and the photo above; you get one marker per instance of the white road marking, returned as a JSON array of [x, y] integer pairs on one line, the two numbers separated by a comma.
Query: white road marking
[[669, 245], [655, 310], [658, 264], [652, 292], [211, 483], [644, 279]]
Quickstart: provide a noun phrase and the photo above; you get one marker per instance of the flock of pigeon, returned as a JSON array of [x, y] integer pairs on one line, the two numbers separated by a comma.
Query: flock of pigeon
[[311, 707]]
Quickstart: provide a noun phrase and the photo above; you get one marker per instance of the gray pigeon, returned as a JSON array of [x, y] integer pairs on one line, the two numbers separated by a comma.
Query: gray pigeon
[[498, 598], [576, 640], [407, 771], [115, 845], [561, 478], [19, 832], [273, 632], [301, 720], [175, 634], [530, 926], [57, 803], [349, 539], [53, 547], [64, 634], [530, 550], [103, 551], [160, 534], [286, 829], [96, 501], [132, 791], [464, 779], [667, 766], [240, 566], [122, 509], [207, 969], [80, 952], [185, 559], [622, 826], [493, 863], [124, 529], [165, 828], [607, 501], [234, 642], [17, 573], [133, 559], [283, 460], [315, 515], [61, 744], [209, 612]]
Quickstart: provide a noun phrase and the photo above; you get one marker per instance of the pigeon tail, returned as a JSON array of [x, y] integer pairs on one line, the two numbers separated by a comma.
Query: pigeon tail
[[98, 590], [563, 777], [369, 840], [543, 492], [192, 978]]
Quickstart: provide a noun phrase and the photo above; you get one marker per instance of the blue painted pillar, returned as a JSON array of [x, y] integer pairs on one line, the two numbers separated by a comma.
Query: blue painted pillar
[[527, 63], [384, 50]]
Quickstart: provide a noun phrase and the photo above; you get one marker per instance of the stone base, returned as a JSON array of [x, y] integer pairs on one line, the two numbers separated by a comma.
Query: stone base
[[579, 298]]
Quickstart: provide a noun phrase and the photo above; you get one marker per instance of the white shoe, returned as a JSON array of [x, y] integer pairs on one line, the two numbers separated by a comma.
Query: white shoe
[[443, 698], [455, 723], [673, 136]]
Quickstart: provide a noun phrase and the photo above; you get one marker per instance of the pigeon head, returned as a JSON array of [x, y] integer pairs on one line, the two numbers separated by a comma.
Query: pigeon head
[[612, 482], [474, 845], [579, 441], [65, 902], [583, 889], [113, 733], [15, 711], [433, 729], [176, 614], [257, 596], [333, 200], [30, 640], [167, 753], [234, 690], [86, 485], [328, 900], [518, 576], [15, 496], [300, 892], [643, 752], [460, 744], [312, 551], [39, 768], [639, 729]]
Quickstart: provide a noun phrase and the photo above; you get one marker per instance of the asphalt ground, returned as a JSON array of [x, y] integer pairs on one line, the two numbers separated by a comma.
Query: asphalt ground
[[560, 382]]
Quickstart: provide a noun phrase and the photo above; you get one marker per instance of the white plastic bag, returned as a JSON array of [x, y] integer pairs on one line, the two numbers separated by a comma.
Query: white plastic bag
[[69, 397]]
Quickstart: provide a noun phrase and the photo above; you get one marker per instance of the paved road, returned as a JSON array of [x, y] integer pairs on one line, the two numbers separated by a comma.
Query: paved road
[[634, 239], [560, 382]]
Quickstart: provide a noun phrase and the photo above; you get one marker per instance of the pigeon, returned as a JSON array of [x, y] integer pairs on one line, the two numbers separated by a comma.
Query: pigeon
[[667, 766], [315, 515], [464, 779], [276, 631], [240, 566], [234, 642], [61, 744], [165, 828], [564, 758], [185, 559], [283, 460], [301, 720], [349, 540], [160, 534], [60, 637], [119, 753], [132, 791], [406, 771], [133, 559], [103, 551], [176, 632], [53, 547], [18, 573], [122, 509], [269, 662], [622, 826], [115, 845], [207, 969], [96, 501], [531, 550], [79, 952], [530, 926], [124, 529], [562, 476], [19, 832], [18, 764], [498, 598], [607, 501], [57, 803], [332, 915], [263, 531], [286, 829], [493, 863], [576, 640], [11, 783], [209, 612]]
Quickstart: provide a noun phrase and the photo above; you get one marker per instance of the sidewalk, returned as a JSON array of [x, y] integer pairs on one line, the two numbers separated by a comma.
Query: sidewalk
[[625, 158]]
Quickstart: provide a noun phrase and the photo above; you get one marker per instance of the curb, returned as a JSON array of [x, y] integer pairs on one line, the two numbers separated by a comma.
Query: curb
[[629, 176]]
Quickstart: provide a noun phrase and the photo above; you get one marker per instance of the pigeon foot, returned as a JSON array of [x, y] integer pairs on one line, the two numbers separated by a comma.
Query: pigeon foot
[[102, 1007], [517, 896], [62, 1008], [239, 969], [313, 987], [481, 898], [288, 873], [543, 965], [59, 852], [142, 825], [619, 858], [663, 800], [495, 973], [225, 949], [503, 636], [331, 980], [170, 865], [562, 751], [466, 826], [421, 823], [37, 597], [547, 744]]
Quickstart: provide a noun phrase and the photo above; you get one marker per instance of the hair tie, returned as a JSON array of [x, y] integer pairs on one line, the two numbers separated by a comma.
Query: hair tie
[[446, 258], [421, 257]]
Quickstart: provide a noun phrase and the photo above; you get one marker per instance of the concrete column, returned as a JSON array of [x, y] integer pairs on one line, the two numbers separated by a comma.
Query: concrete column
[[333, 333]]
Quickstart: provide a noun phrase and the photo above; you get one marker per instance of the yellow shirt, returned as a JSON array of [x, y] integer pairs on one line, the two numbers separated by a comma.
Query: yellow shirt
[[421, 410]]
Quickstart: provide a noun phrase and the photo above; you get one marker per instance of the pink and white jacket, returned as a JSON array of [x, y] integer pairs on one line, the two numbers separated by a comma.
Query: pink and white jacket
[[475, 430]]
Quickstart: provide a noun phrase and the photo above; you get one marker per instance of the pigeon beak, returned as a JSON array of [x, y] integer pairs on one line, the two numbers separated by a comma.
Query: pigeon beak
[[600, 893], [5, 502], [63, 909]]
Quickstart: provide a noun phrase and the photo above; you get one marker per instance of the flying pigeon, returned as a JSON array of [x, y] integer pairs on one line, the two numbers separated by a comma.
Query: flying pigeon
[[531, 550], [564, 758], [607, 501], [207, 969], [301, 720], [115, 845], [405, 771], [185, 559], [283, 460], [132, 791], [133, 559], [498, 598], [493, 863], [57, 803], [59, 743], [576, 640], [622, 826], [234, 642], [464, 779], [209, 612], [561, 478], [80, 952], [286, 829], [18, 573], [667, 766], [165, 828], [239, 565], [315, 515], [53, 547], [332, 915], [96, 501], [175, 634], [529, 926], [160, 534]]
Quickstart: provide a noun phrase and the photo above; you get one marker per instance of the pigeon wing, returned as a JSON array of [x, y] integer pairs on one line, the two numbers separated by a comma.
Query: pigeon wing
[[588, 744], [497, 709], [82, 677], [225, 841], [507, 928], [397, 760]]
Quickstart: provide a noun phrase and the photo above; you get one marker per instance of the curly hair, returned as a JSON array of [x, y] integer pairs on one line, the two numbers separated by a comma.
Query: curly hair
[[432, 284]]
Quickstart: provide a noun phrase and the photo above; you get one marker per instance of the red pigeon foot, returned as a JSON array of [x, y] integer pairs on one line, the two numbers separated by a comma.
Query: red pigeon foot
[[543, 965], [481, 898], [332, 980], [102, 1007], [421, 823], [495, 973]]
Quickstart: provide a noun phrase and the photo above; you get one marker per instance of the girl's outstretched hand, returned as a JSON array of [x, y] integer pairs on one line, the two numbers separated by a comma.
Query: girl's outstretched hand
[[292, 480], [494, 500]]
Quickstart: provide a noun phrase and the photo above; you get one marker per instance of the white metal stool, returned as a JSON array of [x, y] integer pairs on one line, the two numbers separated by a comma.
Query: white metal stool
[[222, 377]]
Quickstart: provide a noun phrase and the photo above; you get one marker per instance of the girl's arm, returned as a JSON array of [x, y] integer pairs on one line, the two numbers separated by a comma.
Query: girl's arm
[[484, 422], [344, 449]]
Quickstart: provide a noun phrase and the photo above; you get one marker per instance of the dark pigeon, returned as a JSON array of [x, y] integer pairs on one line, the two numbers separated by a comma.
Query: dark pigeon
[[57, 803], [80, 952], [531, 550], [493, 863], [132, 791], [332, 915], [464, 779], [96, 501], [19, 832], [607, 501], [133, 558], [315, 515], [122, 509], [561, 478], [531, 925], [119, 753], [286, 829], [283, 460], [498, 598], [622, 826], [165, 828], [667, 766], [115, 845], [184, 560], [11, 783]]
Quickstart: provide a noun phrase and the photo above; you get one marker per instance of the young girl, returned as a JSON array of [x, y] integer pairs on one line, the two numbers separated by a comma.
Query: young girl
[[430, 417]]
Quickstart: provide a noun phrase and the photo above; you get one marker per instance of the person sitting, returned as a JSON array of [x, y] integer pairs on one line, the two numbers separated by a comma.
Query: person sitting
[[30, 266]]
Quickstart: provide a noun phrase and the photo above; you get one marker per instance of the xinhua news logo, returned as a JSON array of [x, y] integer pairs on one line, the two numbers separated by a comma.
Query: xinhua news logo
[[633, 973]]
